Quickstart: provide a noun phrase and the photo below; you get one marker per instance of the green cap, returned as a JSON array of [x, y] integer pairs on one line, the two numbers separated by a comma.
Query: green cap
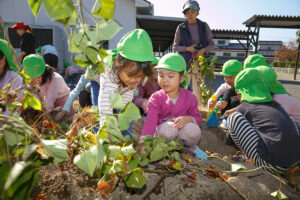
[[156, 60], [269, 78], [249, 83], [8, 54], [231, 68], [39, 49], [67, 64], [174, 62], [34, 65], [255, 60], [136, 45]]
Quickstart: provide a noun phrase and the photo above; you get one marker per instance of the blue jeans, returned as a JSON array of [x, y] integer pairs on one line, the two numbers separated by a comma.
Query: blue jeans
[[94, 92]]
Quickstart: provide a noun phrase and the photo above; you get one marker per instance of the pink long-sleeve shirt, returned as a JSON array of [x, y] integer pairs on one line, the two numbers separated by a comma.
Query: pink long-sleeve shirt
[[145, 92], [53, 90], [161, 108]]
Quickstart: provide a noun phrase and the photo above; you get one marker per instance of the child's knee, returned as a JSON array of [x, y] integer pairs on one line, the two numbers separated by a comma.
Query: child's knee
[[190, 132], [167, 130]]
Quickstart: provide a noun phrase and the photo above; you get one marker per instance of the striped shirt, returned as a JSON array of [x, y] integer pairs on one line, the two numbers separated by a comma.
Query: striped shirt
[[109, 85]]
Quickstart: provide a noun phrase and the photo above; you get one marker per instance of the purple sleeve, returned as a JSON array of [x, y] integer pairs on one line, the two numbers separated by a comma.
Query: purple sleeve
[[209, 37], [177, 39], [139, 100], [152, 116], [193, 110]]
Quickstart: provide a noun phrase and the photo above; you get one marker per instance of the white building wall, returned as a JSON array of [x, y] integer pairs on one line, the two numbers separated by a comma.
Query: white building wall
[[18, 10]]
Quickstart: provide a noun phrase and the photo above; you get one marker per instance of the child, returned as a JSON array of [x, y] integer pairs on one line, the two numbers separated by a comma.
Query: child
[[128, 66], [279, 94], [72, 74], [261, 127], [143, 92], [255, 60], [173, 111], [50, 55], [230, 100], [7, 72], [53, 88]]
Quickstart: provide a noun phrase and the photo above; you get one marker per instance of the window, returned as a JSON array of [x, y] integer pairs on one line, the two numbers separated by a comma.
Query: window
[[221, 42], [240, 55], [227, 54], [212, 53], [104, 44], [42, 37]]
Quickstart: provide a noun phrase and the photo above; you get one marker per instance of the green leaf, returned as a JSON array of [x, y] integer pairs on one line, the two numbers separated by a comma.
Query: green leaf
[[29, 150], [133, 163], [278, 195], [100, 153], [35, 6], [87, 161], [177, 166], [116, 167], [92, 54], [81, 60], [4, 171], [116, 101], [60, 10], [56, 149], [127, 115], [159, 152], [13, 106], [102, 53], [107, 29], [114, 152], [237, 166], [100, 67], [104, 9], [175, 156], [136, 179], [15, 173], [113, 130], [128, 150], [12, 136], [143, 160], [32, 101]]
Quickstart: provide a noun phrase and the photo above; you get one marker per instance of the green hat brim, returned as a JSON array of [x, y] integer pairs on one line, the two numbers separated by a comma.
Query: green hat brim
[[277, 88], [255, 93]]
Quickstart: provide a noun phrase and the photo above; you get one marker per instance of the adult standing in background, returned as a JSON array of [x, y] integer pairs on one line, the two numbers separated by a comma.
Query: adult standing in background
[[50, 55], [27, 40], [193, 34]]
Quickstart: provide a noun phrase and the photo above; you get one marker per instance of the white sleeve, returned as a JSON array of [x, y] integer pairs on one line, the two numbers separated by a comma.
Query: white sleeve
[[221, 90]]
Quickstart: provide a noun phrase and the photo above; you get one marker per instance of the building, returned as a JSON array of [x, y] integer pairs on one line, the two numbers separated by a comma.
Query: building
[[267, 48], [226, 50], [52, 32]]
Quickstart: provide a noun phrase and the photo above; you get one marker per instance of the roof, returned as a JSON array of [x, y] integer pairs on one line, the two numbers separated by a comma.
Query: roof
[[273, 21], [162, 30]]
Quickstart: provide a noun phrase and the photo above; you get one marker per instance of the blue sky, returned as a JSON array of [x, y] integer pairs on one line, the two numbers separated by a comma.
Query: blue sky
[[230, 14]]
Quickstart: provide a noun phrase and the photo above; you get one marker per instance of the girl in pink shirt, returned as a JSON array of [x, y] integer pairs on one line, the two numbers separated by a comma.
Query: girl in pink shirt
[[173, 111], [54, 90]]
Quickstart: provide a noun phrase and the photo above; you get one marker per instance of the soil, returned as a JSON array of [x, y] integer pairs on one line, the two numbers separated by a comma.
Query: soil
[[67, 182]]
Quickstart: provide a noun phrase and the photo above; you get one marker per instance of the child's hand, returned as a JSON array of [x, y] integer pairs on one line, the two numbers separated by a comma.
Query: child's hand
[[229, 112], [180, 122], [60, 115], [211, 103], [145, 105], [140, 147], [221, 105]]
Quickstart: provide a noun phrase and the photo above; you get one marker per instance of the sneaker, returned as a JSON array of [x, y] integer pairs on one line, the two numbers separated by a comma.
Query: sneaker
[[224, 124], [200, 154]]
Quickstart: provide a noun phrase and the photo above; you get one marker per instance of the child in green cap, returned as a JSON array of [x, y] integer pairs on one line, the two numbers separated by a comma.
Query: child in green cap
[[255, 60], [53, 88], [261, 127], [7, 72], [230, 69], [129, 64], [279, 94], [173, 111]]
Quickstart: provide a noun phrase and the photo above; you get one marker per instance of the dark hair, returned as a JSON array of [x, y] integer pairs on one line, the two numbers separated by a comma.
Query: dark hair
[[6, 67], [146, 67], [47, 75], [28, 28]]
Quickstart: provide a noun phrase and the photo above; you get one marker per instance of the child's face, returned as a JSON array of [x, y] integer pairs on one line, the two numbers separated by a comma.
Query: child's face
[[37, 80], [169, 80], [229, 80], [128, 75]]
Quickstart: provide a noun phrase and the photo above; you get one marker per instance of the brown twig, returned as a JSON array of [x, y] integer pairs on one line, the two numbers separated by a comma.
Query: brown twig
[[184, 192], [234, 188], [154, 188]]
